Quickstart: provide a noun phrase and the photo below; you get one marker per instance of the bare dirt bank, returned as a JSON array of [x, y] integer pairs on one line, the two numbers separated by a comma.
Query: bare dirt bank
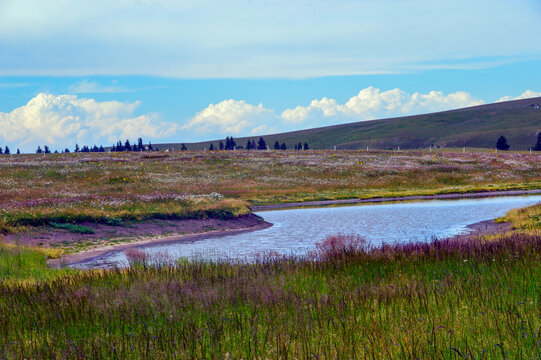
[[200, 229], [454, 196]]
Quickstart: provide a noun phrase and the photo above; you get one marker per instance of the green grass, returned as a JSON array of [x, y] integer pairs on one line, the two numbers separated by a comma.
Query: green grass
[[74, 228], [477, 127], [22, 264], [440, 301]]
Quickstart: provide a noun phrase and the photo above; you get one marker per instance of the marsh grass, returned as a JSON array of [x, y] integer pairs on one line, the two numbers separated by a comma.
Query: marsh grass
[[442, 300]]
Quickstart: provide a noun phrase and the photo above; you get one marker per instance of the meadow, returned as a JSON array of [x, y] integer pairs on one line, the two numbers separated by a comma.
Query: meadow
[[38, 190], [477, 298]]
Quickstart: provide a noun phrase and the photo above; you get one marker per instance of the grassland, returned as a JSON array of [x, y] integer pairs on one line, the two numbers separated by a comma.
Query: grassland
[[475, 127], [70, 190], [450, 299]]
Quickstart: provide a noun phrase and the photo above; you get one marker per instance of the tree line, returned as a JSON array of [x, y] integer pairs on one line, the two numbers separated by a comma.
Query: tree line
[[230, 144]]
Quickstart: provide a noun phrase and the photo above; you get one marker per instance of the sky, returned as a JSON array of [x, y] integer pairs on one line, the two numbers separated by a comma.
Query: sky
[[94, 72]]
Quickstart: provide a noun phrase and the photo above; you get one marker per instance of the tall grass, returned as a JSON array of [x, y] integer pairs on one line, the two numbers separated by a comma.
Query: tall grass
[[443, 300]]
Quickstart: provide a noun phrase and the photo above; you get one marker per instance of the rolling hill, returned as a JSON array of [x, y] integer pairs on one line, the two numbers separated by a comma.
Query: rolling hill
[[479, 127]]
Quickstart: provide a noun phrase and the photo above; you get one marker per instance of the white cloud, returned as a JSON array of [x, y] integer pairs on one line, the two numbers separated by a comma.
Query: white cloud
[[371, 103], [231, 117], [61, 120], [525, 95]]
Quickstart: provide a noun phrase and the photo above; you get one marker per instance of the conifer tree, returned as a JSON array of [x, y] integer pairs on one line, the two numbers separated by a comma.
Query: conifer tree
[[46, 149], [76, 148], [7, 151], [261, 145], [501, 144], [0, 150], [221, 145], [276, 145], [306, 146], [283, 146], [211, 147], [183, 147], [18, 151], [38, 150]]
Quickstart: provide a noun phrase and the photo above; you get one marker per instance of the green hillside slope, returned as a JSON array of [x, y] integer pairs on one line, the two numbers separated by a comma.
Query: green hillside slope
[[478, 126]]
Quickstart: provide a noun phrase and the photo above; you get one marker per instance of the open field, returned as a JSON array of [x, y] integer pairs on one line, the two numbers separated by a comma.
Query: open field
[[70, 192], [476, 297]]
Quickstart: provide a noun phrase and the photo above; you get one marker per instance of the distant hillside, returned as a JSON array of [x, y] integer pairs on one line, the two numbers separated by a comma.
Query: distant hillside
[[478, 126]]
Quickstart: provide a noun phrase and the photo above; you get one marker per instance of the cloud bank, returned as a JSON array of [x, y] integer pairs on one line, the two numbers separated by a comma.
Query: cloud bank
[[64, 120], [232, 117]]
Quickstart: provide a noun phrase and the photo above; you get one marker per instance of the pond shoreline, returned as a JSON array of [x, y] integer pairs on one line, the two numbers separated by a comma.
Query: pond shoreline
[[452, 196], [252, 222]]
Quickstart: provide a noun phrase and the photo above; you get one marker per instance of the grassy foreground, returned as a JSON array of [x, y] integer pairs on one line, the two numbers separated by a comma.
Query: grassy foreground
[[445, 300]]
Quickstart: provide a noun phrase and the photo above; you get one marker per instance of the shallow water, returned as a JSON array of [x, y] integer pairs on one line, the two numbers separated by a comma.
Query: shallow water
[[297, 231]]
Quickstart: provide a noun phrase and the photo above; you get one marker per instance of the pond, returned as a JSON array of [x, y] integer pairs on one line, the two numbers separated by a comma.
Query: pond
[[296, 231]]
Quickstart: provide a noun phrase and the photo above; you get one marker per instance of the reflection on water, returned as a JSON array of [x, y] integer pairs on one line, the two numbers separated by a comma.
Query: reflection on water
[[296, 231]]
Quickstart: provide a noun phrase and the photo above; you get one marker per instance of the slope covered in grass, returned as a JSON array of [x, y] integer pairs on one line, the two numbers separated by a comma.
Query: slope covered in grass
[[476, 127]]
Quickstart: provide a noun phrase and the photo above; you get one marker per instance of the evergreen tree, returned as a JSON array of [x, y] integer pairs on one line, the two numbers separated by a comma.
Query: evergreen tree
[[127, 145], [298, 146], [501, 144], [18, 151], [140, 144], [55, 151], [211, 147], [283, 146], [253, 145], [7, 151], [306, 146], [221, 145], [101, 149], [66, 151], [46, 149], [248, 145], [39, 151], [76, 148], [183, 147], [233, 143], [261, 145], [95, 149], [0, 150], [150, 147], [276, 145], [537, 146]]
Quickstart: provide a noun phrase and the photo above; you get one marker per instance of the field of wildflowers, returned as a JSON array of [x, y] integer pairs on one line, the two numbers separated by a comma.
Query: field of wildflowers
[[449, 299], [38, 190]]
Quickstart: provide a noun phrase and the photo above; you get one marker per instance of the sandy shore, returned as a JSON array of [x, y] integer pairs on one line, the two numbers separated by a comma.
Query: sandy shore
[[457, 196], [250, 223]]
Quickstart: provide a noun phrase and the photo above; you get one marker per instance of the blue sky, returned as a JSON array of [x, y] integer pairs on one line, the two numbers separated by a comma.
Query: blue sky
[[92, 72]]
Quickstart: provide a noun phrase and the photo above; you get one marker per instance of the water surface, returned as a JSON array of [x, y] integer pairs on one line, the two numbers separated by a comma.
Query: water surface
[[296, 231]]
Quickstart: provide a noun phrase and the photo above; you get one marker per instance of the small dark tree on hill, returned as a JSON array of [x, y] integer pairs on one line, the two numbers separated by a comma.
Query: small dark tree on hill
[[0, 150], [46, 149], [220, 145], [537, 146], [261, 145], [76, 148], [283, 146], [66, 151], [501, 144], [18, 151], [140, 144], [101, 149], [211, 147], [38, 150], [127, 145], [249, 145], [7, 151], [276, 145], [150, 147], [183, 147], [306, 146]]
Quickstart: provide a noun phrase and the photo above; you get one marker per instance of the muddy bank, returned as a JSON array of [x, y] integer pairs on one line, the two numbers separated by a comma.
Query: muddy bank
[[115, 238], [402, 198]]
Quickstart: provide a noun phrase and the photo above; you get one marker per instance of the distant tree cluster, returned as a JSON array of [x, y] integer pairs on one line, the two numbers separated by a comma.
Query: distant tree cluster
[[127, 146], [7, 151], [501, 144]]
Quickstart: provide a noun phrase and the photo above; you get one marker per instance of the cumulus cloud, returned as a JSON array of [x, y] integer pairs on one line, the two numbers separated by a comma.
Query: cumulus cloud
[[372, 103], [61, 120], [525, 95], [232, 117]]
